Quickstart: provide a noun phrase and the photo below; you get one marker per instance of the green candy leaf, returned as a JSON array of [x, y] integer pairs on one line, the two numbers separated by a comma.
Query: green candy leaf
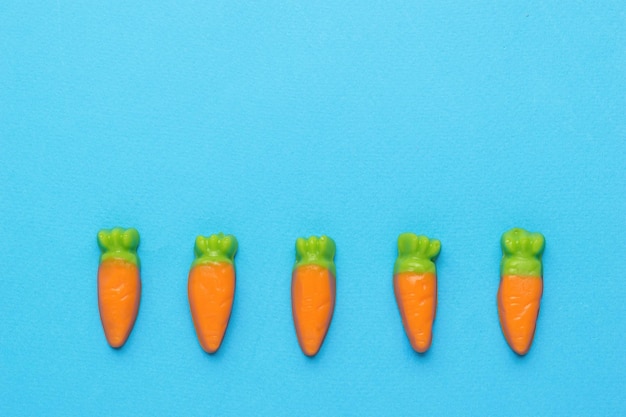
[[119, 243], [215, 248], [416, 254], [316, 251], [521, 253]]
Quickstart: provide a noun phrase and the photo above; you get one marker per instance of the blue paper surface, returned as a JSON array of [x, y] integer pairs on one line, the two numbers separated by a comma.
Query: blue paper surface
[[274, 120]]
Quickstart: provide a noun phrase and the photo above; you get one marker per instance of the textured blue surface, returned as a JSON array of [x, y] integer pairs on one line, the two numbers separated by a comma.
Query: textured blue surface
[[359, 120]]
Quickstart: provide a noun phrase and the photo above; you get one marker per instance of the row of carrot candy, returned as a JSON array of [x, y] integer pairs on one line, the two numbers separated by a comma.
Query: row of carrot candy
[[211, 287]]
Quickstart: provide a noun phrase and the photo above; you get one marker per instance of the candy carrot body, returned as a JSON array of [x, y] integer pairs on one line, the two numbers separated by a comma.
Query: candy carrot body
[[211, 288], [313, 289], [415, 287], [521, 287], [119, 284]]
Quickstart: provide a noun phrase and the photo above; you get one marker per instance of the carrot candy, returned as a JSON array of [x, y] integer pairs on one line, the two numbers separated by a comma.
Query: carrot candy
[[521, 286], [119, 285], [211, 288], [313, 288], [415, 287]]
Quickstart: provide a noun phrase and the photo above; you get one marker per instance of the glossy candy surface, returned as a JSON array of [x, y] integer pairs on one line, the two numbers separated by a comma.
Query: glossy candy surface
[[211, 288], [415, 287], [313, 290], [119, 283], [521, 287]]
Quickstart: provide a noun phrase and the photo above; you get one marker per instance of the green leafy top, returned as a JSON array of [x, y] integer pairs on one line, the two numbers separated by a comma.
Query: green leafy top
[[118, 243], [522, 253], [215, 248], [316, 251], [416, 254]]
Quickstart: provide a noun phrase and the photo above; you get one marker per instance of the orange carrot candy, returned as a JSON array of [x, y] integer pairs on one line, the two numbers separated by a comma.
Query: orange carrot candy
[[211, 288], [119, 285], [415, 287], [521, 286], [313, 288]]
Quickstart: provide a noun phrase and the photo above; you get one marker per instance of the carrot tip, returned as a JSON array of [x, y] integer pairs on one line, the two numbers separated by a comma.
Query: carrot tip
[[420, 347], [116, 344], [310, 352], [210, 348], [521, 352]]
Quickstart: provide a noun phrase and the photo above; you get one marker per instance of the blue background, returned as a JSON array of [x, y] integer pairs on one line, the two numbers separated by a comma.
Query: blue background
[[360, 120]]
